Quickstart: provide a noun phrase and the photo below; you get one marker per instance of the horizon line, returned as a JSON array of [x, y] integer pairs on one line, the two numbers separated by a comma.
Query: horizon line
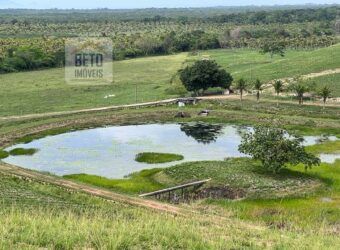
[[169, 8]]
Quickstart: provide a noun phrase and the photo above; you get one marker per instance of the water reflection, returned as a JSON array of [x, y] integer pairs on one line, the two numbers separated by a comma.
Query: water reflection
[[202, 132]]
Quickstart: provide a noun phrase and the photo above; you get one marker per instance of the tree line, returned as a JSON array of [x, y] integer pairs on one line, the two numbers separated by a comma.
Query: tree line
[[26, 44], [30, 54], [298, 87], [235, 15]]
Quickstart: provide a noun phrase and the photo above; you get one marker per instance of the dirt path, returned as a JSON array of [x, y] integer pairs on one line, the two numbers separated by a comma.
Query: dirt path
[[322, 73], [138, 105], [106, 194], [287, 80], [61, 113], [313, 75]]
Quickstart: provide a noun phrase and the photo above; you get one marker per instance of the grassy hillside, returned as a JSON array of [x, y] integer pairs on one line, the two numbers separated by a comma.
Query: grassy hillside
[[46, 90], [36, 216], [333, 81], [251, 65], [71, 220]]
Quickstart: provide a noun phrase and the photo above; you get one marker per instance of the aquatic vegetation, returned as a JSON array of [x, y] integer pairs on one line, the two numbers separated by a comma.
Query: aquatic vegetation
[[3, 154], [23, 151], [152, 158]]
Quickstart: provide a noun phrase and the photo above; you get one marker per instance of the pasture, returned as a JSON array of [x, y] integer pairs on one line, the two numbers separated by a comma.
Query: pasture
[[68, 219], [74, 162], [149, 79]]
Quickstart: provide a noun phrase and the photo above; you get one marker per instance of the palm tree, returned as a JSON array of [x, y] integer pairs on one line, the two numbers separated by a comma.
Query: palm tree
[[241, 85], [258, 87], [278, 87], [300, 89], [325, 93]]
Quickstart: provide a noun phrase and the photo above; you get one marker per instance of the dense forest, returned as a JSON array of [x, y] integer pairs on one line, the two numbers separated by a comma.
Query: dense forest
[[32, 39]]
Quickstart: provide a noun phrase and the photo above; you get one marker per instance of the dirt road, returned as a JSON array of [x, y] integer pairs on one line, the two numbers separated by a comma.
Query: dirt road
[[61, 113]]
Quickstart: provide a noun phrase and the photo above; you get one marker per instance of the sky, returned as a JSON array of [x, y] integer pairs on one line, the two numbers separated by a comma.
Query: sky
[[130, 4]]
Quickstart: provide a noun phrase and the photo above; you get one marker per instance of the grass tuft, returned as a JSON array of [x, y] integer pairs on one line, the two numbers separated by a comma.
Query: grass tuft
[[23, 151], [152, 158], [3, 154]]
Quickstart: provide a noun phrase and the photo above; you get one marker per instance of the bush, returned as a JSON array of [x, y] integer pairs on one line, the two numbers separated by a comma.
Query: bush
[[275, 148]]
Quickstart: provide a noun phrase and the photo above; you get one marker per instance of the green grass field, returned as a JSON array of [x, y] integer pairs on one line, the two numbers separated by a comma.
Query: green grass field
[[297, 210], [35, 215], [136, 183], [243, 174], [251, 65], [333, 81], [311, 211], [48, 217], [46, 90]]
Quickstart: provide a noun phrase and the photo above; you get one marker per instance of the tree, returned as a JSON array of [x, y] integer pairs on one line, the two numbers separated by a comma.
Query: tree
[[278, 87], [258, 87], [241, 85], [325, 93], [273, 48], [204, 74], [275, 148], [299, 89]]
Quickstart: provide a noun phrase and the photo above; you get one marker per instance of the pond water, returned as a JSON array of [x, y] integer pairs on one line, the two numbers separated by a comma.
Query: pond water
[[110, 151]]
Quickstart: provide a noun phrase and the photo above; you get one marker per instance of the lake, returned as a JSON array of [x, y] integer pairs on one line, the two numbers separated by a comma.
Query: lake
[[110, 151]]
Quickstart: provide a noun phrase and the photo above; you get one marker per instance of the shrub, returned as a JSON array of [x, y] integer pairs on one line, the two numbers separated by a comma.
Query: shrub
[[275, 148]]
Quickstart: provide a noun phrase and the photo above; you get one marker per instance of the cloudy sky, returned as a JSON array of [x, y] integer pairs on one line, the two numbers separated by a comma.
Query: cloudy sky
[[119, 4]]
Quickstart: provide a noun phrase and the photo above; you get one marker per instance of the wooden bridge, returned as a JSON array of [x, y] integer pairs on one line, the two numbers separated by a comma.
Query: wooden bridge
[[170, 192]]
